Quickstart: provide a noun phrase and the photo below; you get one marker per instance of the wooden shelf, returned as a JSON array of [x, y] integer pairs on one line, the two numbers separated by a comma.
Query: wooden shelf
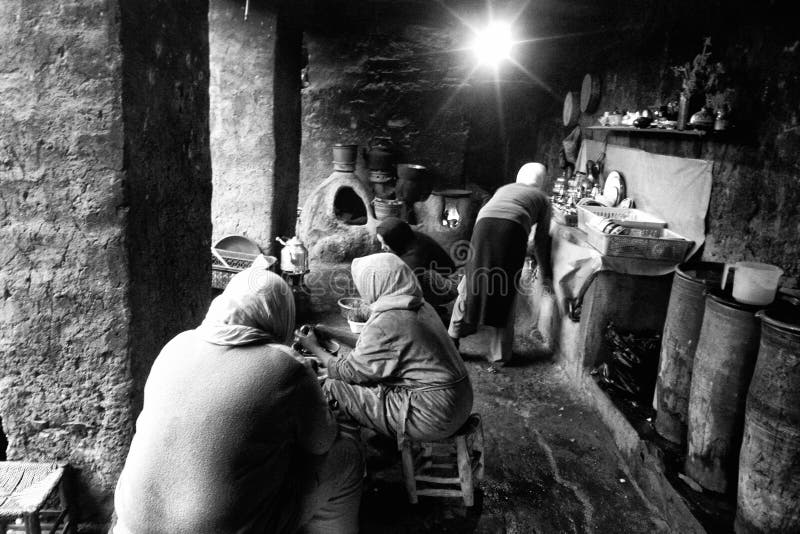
[[657, 131]]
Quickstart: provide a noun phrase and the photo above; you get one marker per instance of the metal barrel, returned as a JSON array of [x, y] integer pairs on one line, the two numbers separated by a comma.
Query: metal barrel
[[723, 366], [679, 342], [769, 463]]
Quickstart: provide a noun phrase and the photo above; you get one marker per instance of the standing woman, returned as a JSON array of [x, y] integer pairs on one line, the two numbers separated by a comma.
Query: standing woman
[[235, 435], [404, 378], [500, 244]]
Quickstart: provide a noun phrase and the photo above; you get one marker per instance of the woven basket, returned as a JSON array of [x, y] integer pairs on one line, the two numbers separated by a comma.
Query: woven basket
[[236, 263], [669, 247], [650, 225]]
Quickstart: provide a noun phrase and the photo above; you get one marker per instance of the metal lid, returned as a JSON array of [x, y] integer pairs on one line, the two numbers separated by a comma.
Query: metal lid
[[783, 314], [726, 299], [708, 273]]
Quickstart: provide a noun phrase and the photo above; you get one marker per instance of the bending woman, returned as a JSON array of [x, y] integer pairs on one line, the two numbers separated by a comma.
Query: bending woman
[[404, 378], [235, 435]]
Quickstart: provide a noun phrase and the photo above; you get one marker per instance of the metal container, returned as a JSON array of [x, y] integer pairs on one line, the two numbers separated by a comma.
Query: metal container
[[294, 256], [769, 463], [344, 157], [413, 183], [380, 154], [679, 343], [723, 366]]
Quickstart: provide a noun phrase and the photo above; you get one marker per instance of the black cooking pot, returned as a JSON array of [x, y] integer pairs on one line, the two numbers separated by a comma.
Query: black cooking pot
[[413, 183]]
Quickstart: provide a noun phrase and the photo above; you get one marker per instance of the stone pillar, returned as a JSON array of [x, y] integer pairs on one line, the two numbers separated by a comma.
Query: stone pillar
[[104, 219], [255, 119]]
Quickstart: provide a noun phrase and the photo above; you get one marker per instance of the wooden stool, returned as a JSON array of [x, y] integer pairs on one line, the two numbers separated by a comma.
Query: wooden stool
[[24, 490], [456, 465]]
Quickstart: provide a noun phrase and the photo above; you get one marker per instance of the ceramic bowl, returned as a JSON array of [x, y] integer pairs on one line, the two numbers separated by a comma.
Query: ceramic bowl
[[354, 309]]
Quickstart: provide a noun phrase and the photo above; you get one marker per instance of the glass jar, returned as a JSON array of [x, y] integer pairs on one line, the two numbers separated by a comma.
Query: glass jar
[[721, 120]]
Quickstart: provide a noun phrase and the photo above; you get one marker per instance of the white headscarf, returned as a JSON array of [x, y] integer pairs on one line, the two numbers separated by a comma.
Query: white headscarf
[[386, 282], [532, 174], [256, 306]]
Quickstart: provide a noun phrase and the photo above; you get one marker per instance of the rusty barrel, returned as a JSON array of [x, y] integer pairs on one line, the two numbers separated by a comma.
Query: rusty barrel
[[723, 366], [769, 464], [679, 341]]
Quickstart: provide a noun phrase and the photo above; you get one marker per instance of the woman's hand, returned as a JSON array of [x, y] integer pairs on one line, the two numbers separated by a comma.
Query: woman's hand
[[307, 339]]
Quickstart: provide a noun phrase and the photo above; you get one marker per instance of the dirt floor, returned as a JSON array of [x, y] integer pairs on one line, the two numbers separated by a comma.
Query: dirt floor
[[551, 465]]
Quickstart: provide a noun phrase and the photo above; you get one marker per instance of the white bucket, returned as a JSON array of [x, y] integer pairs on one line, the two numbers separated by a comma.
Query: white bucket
[[753, 283], [355, 327]]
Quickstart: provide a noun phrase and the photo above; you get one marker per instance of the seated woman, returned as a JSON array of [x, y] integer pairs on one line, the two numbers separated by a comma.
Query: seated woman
[[236, 435], [404, 378], [428, 260]]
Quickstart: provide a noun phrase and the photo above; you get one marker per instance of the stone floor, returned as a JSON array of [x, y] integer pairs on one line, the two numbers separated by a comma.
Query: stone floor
[[551, 467]]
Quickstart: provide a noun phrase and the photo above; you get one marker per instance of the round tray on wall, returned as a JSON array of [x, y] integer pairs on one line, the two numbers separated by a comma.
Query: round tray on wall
[[590, 93], [571, 109]]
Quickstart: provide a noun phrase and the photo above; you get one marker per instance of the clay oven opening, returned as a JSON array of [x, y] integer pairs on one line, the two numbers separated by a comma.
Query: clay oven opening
[[349, 208]]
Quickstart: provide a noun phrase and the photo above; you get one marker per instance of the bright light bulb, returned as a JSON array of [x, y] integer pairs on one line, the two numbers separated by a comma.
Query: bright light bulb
[[493, 45]]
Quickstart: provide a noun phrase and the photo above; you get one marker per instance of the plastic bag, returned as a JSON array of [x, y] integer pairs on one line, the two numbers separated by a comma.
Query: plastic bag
[[633, 367]]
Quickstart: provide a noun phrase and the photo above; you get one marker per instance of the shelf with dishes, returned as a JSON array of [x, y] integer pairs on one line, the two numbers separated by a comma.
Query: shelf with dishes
[[649, 130]]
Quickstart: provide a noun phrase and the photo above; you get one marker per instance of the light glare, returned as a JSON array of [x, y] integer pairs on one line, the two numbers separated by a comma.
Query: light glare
[[493, 45]]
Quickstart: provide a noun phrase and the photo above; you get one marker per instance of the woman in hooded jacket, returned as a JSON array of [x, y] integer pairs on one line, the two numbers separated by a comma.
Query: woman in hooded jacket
[[433, 267], [235, 435], [404, 378]]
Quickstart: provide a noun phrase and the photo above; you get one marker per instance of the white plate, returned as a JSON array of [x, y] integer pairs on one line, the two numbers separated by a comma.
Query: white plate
[[614, 189]]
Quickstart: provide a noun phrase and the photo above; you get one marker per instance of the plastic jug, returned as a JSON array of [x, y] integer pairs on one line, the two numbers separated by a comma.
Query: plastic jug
[[753, 283]]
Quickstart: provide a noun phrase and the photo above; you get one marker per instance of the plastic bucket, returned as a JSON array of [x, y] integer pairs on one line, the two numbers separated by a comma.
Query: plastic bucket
[[355, 326], [753, 283]]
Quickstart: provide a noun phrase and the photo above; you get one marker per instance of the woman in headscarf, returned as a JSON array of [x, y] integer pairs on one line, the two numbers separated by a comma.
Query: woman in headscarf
[[404, 378], [236, 435], [499, 244], [431, 264]]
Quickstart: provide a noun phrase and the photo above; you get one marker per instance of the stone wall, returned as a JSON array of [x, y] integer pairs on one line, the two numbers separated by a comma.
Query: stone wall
[[168, 171], [243, 142], [103, 152], [400, 70], [368, 77], [65, 387], [753, 214]]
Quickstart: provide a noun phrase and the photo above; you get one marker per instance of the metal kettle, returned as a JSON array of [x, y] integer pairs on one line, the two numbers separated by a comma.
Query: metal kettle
[[294, 256], [379, 154]]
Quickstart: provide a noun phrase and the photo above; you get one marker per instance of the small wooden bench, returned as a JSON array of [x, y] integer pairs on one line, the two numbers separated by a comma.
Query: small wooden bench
[[24, 491], [448, 467]]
